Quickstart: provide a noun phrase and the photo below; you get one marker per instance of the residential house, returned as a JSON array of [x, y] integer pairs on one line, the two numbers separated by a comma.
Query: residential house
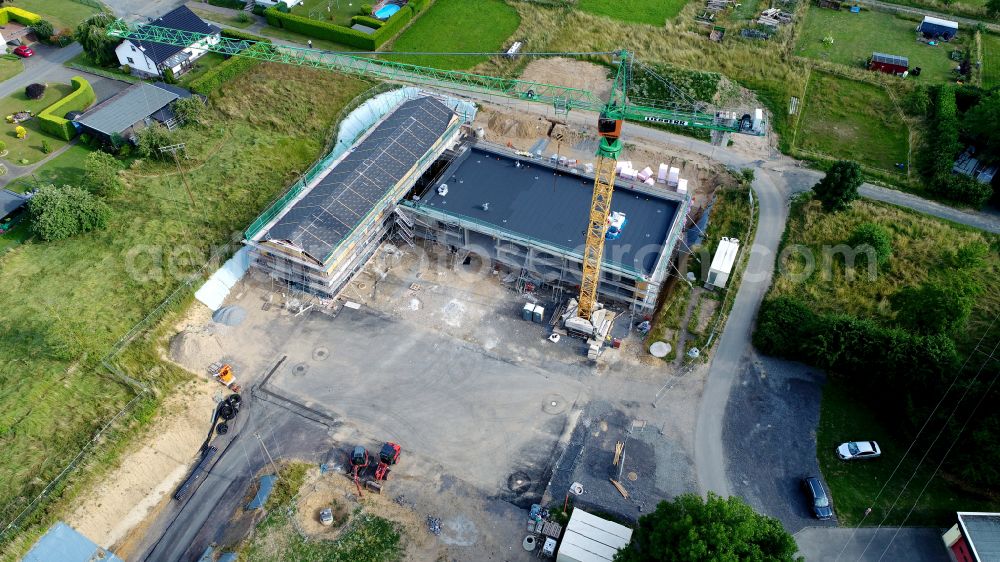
[[137, 107], [146, 58], [975, 538]]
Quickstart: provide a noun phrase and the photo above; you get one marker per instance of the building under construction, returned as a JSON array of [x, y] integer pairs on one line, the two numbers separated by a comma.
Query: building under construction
[[418, 173]]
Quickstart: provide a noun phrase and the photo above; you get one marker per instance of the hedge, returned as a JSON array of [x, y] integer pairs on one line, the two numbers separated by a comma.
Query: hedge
[[234, 4], [51, 118], [371, 22], [17, 14], [230, 68], [340, 34]]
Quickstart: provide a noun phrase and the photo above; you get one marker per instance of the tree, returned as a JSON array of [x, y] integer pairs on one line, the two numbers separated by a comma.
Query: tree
[[93, 37], [993, 8], [874, 236], [43, 30], [34, 91], [932, 309], [57, 213], [691, 529], [101, 174], [190, 110], [151, 139], [839, 187], [46, 147], [982, 124]]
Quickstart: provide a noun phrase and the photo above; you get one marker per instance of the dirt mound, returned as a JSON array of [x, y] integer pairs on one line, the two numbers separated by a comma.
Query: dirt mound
[[570, 73], [195, 349], [310, 505], [232, 315], [509, 126]]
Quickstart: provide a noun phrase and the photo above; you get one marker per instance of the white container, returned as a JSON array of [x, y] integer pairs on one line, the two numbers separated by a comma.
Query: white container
[[629, 174], [622, 165], [673, 176], [645, 174], [588, 167], [650, 181], [682, 186], [661, 176]]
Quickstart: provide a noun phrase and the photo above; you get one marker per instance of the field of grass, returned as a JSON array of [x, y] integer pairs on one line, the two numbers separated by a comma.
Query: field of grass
[[921, 245], [230, 21], [856, 36], [457, 26], [340, 11], [852, 120], [10, 66], [62, 13], [64, 304], [653, 12], [12, 238], [65, 169], [991, 60], [854, 485], [29, 148], [207, 62]]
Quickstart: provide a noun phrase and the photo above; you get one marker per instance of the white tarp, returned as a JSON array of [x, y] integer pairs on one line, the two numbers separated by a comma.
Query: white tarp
[[214, 292]]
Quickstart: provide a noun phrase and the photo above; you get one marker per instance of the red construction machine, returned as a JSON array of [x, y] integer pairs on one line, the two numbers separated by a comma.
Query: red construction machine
[[387, 457]]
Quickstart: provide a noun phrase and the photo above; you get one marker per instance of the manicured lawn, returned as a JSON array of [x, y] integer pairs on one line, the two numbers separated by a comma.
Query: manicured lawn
[[10, 66], [845, 416], [62, 13], [991, 60], [231, 21], [654, 12], [340, 11], [852, 120], [856, 36], [207, 62], [458, 26], [65, 169], [64, 304], [29, 148]]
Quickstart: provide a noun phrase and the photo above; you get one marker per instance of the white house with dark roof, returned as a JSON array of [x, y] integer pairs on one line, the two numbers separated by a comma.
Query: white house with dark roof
[[147, 58]]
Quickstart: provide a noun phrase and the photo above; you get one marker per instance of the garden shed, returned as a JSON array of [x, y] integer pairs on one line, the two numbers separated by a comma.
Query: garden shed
[[937, 28], [889, 64], [10, 203]]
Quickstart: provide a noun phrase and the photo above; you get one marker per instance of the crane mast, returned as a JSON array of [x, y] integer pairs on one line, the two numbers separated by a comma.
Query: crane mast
[[611, 114]]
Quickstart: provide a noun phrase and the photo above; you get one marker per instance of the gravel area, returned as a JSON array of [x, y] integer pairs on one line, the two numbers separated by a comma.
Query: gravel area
[[770, 437]]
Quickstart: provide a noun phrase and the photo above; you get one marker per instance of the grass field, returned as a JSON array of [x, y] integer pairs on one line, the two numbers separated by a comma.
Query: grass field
[[340, 11], [852, 120], [63, 304], [991, 60], [65, 169], [856, 36], [921, 245], [29, 148], [62, 13], [10, 66], [231, 21], [653, 12], [844, 417], [207, 62], [457, 26]]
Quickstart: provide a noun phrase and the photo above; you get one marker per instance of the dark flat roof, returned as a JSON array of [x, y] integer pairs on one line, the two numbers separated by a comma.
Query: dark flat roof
[[538, 202], [982, 531], [332, 209]]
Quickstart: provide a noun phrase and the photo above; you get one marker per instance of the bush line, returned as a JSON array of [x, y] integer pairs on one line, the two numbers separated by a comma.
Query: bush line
[[50, 119]]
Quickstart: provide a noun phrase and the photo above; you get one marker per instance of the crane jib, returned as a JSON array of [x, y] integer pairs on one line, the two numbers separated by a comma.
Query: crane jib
[[653, 119]]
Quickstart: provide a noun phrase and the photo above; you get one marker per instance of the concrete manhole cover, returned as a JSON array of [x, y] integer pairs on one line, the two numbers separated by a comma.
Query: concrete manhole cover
[[554, 404], [659, 349], [519, 482], [320, 353], [632, 476], [300, 369]]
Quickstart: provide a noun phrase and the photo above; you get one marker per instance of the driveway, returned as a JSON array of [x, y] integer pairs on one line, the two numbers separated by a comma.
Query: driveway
[[770, 438], [48, 67], [912, 544]]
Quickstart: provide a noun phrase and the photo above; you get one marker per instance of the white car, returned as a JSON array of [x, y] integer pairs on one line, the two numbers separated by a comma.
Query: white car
[[858, 450]]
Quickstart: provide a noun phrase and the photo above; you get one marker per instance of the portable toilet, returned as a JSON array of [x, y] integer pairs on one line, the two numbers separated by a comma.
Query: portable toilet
[[528, 312], [661, 175], [682, 186], [538, 313], [722, 263], [673, 176]]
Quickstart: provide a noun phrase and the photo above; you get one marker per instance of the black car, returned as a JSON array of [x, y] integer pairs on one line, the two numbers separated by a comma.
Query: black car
[[819, 502]]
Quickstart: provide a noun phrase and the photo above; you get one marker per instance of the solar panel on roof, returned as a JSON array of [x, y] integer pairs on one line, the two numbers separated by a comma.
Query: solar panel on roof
[[335, 206]]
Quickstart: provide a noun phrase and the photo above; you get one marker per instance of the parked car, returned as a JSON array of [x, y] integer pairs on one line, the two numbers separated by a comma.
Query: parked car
[[858, 450], [819, 502], [23, 51]]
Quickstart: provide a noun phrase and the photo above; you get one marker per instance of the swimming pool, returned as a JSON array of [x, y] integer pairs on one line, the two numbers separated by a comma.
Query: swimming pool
[[385, 12]]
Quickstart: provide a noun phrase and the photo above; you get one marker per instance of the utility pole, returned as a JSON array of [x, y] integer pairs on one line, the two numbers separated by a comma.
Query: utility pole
[[173, 149], [266, 452]]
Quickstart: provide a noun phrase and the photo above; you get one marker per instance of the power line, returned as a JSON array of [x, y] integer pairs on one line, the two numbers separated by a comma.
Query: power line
[[940, 432], [954, 441], [927, 421]]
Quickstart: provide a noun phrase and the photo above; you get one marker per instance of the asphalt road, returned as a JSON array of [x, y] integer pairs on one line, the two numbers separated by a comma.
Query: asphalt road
[[48, 67], [912, 544]]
